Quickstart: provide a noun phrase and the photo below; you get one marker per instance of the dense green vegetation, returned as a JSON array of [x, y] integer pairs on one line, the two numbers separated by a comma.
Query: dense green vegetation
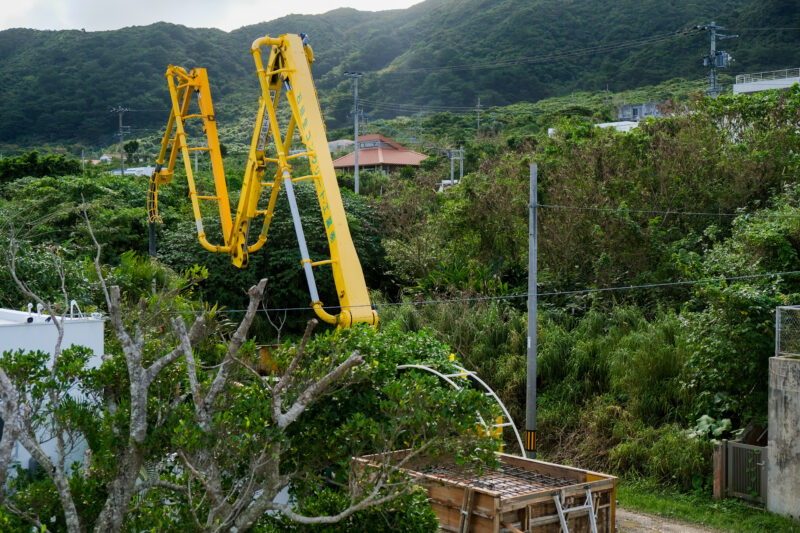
[[622, 374], [637, 382], [30, 164], [504, 52]]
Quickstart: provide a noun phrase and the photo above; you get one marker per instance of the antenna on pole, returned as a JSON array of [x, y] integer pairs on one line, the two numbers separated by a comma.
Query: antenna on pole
[[716, 58]]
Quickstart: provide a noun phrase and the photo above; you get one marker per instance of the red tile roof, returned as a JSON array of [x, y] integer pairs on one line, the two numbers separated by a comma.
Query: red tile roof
[[393, 154]]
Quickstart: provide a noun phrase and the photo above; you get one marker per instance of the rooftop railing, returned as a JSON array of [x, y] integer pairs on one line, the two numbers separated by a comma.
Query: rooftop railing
[[771, 75]]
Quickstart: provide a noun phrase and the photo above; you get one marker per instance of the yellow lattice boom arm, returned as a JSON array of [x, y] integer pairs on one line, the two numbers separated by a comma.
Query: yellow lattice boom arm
[[285, 80]]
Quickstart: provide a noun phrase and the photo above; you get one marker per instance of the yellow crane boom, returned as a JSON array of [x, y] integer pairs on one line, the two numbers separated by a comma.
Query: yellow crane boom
[[285, 80]]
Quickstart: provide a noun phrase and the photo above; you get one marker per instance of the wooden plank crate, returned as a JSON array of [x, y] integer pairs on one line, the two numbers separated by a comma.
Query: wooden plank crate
[[515, 497]]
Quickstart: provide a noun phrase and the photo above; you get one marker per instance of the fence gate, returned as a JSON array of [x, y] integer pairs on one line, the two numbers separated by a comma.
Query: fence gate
[[745, 471]]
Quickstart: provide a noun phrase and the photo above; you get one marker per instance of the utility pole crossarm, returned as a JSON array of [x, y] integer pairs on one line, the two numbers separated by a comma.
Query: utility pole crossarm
[[716, 58]]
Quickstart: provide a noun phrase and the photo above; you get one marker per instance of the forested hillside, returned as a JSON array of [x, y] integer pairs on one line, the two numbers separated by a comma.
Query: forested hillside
[[663, 253], [58, 86]]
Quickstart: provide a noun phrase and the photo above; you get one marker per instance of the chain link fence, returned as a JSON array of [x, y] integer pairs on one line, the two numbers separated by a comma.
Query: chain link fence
[[787, 331]]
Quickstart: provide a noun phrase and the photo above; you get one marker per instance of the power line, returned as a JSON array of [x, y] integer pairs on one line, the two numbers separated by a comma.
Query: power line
[[525, 295], [638, 211], [767, 29], [667, 212], [400, 105]]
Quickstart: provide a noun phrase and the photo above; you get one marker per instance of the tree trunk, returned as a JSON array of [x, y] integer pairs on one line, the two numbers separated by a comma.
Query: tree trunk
[[120, 492]]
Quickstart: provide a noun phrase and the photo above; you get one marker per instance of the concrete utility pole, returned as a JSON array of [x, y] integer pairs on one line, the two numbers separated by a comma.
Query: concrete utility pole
[[453, 155], [122, 130], [715, 59], [355, 76], [530, 400], [460, 163], [478, 109]]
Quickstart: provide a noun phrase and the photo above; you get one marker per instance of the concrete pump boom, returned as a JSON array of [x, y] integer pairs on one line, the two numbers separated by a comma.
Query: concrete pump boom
[[285, 79]]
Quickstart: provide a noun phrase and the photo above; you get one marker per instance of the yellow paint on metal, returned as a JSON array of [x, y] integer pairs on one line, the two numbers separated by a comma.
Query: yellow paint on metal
[[530, 440], [285, 79]]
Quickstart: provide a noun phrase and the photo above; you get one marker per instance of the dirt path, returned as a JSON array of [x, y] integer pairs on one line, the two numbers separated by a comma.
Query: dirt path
[[636, 522]]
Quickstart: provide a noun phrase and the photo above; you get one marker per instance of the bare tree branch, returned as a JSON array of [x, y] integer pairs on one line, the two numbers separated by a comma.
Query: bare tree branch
[[281, 321], [287, 376], [256, 293], [313, 392], [161, 484], [40, 528], [28, 439], [10, 416], [186, 347], [370, 501], [195, 336], [214, 496]]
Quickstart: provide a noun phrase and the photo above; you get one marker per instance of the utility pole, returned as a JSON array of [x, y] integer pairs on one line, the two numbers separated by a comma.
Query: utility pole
[[122, 130], [452, 155], [533, 296], [83, 160], [716, 58], [355, 76], [460, 163], [478, 108]]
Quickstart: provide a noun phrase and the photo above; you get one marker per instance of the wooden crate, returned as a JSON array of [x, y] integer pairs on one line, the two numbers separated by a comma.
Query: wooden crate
[[518, 496]]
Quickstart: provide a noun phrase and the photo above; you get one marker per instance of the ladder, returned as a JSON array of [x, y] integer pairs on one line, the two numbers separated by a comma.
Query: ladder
[[587, 505]]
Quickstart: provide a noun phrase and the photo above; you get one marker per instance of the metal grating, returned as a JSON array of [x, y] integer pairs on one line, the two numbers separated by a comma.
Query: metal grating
[[787, 337], [746, 476], [507, 480]]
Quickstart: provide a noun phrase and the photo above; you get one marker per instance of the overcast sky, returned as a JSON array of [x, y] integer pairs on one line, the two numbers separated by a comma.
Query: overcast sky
[[95, 15]]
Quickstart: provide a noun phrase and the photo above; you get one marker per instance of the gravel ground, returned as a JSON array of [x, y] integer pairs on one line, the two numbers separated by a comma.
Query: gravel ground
[[635, 522]]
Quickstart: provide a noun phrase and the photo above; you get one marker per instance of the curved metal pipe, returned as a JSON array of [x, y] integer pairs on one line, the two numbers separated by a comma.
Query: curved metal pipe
[[264, 41], [327, 317]]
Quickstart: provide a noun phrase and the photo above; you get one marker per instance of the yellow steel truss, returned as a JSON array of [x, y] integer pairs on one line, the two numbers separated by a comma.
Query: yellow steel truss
[[285, 79]]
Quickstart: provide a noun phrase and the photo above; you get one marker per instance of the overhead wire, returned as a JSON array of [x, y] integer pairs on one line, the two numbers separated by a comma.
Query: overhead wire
[[646, 211], [417, 303]]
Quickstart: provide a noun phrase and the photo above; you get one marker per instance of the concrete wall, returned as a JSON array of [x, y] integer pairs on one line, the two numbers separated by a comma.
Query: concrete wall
[[764, 85], [783, 454]]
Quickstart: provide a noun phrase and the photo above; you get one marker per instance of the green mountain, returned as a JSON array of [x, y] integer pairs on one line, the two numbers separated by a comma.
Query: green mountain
[[59, 86]]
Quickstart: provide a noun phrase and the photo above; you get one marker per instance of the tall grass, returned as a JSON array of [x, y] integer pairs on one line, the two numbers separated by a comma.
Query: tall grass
[[608, 386]]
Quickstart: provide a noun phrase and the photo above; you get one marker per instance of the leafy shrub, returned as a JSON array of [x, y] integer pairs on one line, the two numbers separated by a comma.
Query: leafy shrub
[[407, 514], [30, 164]]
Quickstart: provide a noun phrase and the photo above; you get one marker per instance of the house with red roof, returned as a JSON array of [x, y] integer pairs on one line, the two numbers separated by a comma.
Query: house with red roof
[[376, 152]]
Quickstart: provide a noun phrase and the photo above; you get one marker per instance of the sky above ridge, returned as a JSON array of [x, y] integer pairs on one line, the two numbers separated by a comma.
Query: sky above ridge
[[98, 15]]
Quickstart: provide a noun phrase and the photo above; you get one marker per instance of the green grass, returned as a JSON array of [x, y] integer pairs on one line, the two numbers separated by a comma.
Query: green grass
[[700, 508]]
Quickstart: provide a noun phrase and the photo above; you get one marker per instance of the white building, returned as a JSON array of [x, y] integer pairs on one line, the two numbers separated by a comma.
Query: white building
[[134, 171], [622, 125], [31, 331], [762, 81]]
